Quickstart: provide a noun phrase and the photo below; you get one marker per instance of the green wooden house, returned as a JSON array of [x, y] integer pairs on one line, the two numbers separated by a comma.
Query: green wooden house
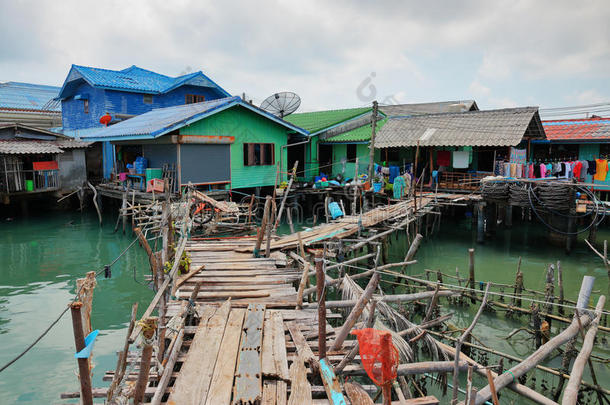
[[221, 144], [339, 137]]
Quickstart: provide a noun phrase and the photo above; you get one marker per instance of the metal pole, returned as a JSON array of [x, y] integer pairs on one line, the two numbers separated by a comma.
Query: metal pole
[[319, 260], [83, 364]]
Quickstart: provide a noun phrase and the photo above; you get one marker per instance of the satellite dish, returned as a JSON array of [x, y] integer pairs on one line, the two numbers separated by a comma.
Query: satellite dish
[[281, 104]]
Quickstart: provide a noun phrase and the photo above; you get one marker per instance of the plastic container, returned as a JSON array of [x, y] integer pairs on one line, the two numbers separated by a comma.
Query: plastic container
[[335, 210], [29, 185], [152, 173], [156, 185]]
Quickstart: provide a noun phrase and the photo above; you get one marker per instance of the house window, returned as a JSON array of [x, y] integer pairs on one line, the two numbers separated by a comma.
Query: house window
[[148, 99], [351, 151], [193, 98], [259, 154], [86, 106]]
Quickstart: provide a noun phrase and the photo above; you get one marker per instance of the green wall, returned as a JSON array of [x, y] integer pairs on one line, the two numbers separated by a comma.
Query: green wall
[[247, 127]]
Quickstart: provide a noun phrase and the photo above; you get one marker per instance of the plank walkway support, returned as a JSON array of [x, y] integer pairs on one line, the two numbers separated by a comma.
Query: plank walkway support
[[261, 231], [83, 364], [570, 394], [148, 331], [471, 275]]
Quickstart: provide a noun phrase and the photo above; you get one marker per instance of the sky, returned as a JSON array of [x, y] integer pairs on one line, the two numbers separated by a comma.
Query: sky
[[335, 54]]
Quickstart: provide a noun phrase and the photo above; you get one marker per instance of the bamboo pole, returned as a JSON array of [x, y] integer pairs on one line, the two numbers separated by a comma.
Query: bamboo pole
[[372, 142], [302, 285], [494, 394], [471, 273], [353, 316], [370, 321], [122, 361], [540, 354], [167, 371], [83, 364], [570, 394], [459, 343]]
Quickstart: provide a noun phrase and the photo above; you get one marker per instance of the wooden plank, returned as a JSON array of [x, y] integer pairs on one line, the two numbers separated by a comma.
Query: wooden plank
[[301, 344], [224, 372], [281, 397], [279, 347], [269, 392], [300, 389], [193, 383], [267, 364], [334, 392], [248, 382], [356, 394]]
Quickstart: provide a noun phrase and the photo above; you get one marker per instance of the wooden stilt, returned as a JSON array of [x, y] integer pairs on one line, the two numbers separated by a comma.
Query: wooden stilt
[[83, 364], [319, 261]]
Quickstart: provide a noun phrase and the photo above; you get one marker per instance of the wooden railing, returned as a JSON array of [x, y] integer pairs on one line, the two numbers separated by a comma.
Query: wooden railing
[[461, 181], [14, 181]]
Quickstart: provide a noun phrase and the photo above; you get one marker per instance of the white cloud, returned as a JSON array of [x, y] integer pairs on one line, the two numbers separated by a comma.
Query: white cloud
[[321, 50], [590, 97]]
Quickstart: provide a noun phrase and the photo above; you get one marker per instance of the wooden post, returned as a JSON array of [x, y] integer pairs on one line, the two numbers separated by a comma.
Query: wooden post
[[494, 394], [354, 184], [269, 229], [302, 285], [480, 223], [124, 211], [250, 208], [261, 231], [148, 331], [471, 275], [560, 286], [508, 216], [83, 364], [285, 196], [319, 260], [372, 143], [386, 343]]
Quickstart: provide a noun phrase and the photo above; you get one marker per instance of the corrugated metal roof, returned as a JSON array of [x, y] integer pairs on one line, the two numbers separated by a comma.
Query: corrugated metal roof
[[22, 147], [134, 79], [505, 127], [72, 144], [29, 97], [429, 108], [589, 129], [161, 121], [360, 134], [319, 120]]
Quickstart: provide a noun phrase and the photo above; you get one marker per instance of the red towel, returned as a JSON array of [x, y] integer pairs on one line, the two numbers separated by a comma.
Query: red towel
[[443, 158]]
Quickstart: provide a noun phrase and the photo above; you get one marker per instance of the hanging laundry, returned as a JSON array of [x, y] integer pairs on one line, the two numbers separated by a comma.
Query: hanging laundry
[[443, 158], [592, 167], [517, 155], [585, 169], [601, 169], [519, 171], [531, 174], [394, 172], [542, 170], [577, 169], [460, 159], [399, 187]]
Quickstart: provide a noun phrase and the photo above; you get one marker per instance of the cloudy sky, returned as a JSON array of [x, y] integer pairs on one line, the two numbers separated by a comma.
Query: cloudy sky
[[333, 54]]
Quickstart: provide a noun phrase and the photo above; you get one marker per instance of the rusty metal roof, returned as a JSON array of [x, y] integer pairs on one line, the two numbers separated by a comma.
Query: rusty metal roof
[[584, 129], [14, 147], [504, 127]]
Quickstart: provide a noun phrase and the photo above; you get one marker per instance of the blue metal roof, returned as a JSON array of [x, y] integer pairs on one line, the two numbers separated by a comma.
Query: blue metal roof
[[162, 121], [133, 79], [28, 97]]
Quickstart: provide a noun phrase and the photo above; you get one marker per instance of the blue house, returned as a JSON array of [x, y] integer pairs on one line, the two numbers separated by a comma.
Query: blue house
[[89, 93]]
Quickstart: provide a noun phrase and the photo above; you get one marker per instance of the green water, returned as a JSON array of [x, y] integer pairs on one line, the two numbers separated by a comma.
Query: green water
[[41, 257], [496, 260]]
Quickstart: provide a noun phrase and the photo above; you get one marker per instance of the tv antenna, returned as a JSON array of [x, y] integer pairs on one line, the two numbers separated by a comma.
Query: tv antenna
[[281, 104]]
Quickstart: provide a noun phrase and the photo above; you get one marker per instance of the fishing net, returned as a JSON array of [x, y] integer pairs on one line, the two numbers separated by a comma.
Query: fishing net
[[378, 354]]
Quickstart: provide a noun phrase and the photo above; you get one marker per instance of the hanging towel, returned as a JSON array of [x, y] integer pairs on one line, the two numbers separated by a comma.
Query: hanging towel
[[443, 158], [399, 187], [460, 159]]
